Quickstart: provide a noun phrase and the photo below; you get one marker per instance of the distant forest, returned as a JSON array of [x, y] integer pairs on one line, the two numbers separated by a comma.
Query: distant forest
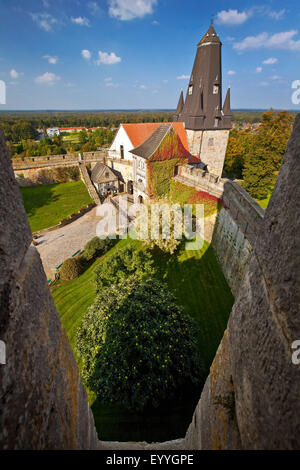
[[18, 126]]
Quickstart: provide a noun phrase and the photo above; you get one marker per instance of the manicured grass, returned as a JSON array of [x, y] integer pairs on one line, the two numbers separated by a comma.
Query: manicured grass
[[199, 285], [264, 202], [46, 205], [182, 194]]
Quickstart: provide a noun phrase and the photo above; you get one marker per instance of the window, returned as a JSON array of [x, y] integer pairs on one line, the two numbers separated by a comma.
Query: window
[[216, 122], [190, 89], [107, 175], [216, 90], [122, 151], [211, 142]]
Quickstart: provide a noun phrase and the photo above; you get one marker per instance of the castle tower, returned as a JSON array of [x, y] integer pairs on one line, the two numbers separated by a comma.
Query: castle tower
[[207, 123]]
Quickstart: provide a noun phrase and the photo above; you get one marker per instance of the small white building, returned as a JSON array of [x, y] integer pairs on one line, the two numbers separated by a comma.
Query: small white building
[[52, 131]]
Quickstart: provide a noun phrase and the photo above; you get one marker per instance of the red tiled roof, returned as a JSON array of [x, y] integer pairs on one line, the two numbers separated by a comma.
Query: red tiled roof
[[69, 128], [139, 132], [194, 159]]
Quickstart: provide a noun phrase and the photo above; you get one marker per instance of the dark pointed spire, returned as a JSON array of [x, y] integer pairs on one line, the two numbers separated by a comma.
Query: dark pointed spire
[[210, 36], [179, 107], [180, 104], [202, 108], [226, 106]]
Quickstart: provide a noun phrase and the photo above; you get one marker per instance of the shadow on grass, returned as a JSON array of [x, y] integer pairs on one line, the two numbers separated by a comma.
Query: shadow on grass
[[36, 197], [167, 422]]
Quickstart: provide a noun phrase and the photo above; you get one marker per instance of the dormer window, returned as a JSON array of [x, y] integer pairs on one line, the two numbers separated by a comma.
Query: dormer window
[[216, 122], [215, 90], [190, 89]]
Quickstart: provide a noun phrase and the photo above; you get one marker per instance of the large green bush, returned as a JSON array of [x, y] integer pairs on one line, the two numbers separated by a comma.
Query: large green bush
[[96, 247], [122, 264], [137, 346], [71, 268]]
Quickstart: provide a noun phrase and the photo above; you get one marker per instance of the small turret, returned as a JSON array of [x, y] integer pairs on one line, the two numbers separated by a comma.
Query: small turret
[[179, 107]]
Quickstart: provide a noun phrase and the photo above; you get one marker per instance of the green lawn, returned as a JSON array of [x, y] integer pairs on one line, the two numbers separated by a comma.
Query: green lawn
[[46, 205], [182, 194], [264, 202], [198, 282]]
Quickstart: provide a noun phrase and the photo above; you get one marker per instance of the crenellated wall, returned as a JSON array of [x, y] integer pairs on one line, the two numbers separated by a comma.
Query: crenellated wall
[[234, 229]]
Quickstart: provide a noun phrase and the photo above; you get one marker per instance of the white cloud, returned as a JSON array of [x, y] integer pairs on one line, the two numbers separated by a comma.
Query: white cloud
[[107, 59], [94, 7], [183, 77], [231, 72], [258, 69], [270, 61], [284, 40], [129, 9], [51, 59], [80, 21], [110, 84], [47, 78], [232, 17], [276, 15], [86, 54], [44, 20], [14, 74]]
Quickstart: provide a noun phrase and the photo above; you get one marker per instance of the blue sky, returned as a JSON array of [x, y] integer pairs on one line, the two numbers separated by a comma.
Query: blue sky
[[128, 54]]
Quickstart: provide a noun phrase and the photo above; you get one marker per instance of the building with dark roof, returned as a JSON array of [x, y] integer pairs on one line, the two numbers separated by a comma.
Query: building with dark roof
[[105, 179], [163, 144]]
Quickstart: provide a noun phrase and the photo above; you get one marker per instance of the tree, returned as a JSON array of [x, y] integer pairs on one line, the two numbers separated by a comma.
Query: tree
[[137, 346], [165, 223], [96, 247], [235, 154], [71, 269], [122, 264], [266, 151]]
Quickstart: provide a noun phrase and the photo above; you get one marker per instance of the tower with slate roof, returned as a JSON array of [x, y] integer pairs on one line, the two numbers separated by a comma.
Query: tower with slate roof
[[207, 122]]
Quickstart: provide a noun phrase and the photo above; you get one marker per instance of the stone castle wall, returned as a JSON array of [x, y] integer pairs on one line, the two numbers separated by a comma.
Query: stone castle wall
[[252, 375], [234, 229], [43, 403], [210, 146]]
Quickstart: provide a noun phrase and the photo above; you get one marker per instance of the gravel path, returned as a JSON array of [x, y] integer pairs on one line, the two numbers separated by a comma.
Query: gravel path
[[54, 247]]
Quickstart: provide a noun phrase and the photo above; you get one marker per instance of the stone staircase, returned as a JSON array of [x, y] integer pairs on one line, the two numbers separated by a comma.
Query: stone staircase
[[87, 181]]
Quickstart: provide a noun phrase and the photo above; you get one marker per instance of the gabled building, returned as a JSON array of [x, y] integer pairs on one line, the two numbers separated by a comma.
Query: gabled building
[[105, 179], [163, 145], [130, 136]]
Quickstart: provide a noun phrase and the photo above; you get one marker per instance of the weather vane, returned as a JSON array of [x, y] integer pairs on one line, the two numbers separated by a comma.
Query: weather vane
[[212, 19]]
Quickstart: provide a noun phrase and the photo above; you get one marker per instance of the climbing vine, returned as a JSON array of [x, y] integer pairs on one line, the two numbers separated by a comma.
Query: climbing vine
[[161, 165]]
